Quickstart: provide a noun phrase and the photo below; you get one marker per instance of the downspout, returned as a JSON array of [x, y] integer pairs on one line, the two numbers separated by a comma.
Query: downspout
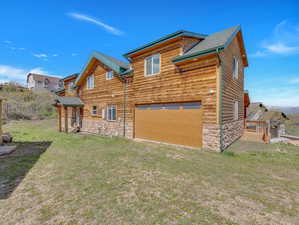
[[220, 99], [124, 107]]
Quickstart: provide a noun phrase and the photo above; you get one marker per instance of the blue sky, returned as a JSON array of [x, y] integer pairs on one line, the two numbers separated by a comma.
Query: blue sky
[[56, 37]]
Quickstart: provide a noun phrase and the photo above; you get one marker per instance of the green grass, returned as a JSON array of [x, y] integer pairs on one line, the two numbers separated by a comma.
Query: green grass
[[94, 180]]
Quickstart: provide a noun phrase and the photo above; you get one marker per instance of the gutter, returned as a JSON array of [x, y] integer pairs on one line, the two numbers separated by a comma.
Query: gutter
[[196, 54]]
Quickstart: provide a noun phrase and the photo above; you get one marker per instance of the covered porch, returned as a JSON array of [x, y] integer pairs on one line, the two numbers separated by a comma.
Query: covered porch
[[70, 113]]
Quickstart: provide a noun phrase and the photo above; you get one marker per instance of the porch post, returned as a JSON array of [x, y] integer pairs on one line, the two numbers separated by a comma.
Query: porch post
[[66, 120], [59, 118]]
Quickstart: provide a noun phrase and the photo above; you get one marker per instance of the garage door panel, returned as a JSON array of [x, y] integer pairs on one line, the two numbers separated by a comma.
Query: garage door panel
[[176, 126]]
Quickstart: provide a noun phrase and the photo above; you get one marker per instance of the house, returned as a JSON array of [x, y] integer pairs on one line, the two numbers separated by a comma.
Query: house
[[185, 89], [262, 124], [40, 83], [246, 102], [67, 85]]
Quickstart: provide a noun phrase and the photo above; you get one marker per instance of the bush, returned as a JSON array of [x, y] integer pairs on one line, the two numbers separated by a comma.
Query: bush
[[24, 104]]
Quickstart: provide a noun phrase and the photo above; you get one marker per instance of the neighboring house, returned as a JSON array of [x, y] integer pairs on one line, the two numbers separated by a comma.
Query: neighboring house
[[68, 85], [185, 89], [40, 83], [263, 124], [255, 110]]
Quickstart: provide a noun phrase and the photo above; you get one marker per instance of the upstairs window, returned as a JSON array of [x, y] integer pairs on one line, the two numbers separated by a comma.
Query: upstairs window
[[46, 85], [111, 113], [90, 82], [152, 65], [236, 110], [109, 75], [235, 68]]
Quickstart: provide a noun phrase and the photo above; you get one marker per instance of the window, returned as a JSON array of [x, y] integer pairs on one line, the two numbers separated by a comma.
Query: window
[[172, 106], [152, 65], [46, 85], [236, 110], [71, 84], [143, 107], [94, 110], [90, 82], [191, 105], [235, 68], [111, 113], [109, 75]]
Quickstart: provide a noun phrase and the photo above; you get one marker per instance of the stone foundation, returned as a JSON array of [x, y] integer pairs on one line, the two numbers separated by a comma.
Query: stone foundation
[[231, 132]]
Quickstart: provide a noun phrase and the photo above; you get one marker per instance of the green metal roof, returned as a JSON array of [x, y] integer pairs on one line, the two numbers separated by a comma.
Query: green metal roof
[[113, 63], [69, 101], [166, 38], [212, 43]]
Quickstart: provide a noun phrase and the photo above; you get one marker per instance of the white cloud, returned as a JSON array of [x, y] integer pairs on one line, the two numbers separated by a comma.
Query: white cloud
[[7, 42], [283, 41], [21, 48], [54, 55], [41, 55], [3, 81], [107, 27], [10, 73], [281, 48], [74, 54], [294, 81]]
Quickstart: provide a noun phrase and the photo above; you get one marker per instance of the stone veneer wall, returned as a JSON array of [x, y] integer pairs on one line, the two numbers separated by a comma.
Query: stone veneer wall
[[231, 132], [107, 128], [211, 136]]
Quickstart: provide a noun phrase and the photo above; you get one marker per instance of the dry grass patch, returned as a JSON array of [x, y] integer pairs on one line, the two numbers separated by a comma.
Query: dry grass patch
[[93, 180]]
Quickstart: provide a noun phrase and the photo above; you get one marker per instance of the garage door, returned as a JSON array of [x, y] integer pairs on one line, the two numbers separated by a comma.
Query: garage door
[[175, 123]]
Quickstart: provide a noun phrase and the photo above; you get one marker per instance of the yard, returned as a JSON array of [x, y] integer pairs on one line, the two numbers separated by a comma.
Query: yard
[[54, 178]]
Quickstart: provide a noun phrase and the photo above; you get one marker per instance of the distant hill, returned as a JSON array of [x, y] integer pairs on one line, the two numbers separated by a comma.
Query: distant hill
[[286, 110]]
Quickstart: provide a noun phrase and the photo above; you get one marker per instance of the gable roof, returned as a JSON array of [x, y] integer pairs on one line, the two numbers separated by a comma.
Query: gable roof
[[113, 63], [212, 43], [40, 77], [68, 101], [273, 116], [74, 75], [166, 38]]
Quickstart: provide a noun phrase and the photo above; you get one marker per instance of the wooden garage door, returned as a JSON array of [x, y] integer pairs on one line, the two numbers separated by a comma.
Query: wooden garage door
[[175, 123]]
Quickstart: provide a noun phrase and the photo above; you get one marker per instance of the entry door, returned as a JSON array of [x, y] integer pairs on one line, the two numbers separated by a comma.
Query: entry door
[[175, 123]]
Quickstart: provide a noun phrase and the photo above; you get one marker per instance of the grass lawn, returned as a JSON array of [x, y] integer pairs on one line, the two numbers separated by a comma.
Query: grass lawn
[[54, 178]]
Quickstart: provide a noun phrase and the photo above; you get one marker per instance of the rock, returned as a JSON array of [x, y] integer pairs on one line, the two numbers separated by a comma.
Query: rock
[[6, 138]]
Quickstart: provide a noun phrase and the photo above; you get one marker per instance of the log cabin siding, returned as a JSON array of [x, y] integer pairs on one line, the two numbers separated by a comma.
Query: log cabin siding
[[232, 89], [171, 85], [104, 93]]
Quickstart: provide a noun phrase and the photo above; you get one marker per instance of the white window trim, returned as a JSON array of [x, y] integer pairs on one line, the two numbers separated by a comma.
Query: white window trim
[[145, 70], [107, 78], [236, 110], [236, 68], [107, 111], [87, 85]]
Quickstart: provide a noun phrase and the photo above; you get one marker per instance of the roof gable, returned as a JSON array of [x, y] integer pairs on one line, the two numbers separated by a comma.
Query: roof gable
[[113, 63], [212, 43], [174, 35]]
